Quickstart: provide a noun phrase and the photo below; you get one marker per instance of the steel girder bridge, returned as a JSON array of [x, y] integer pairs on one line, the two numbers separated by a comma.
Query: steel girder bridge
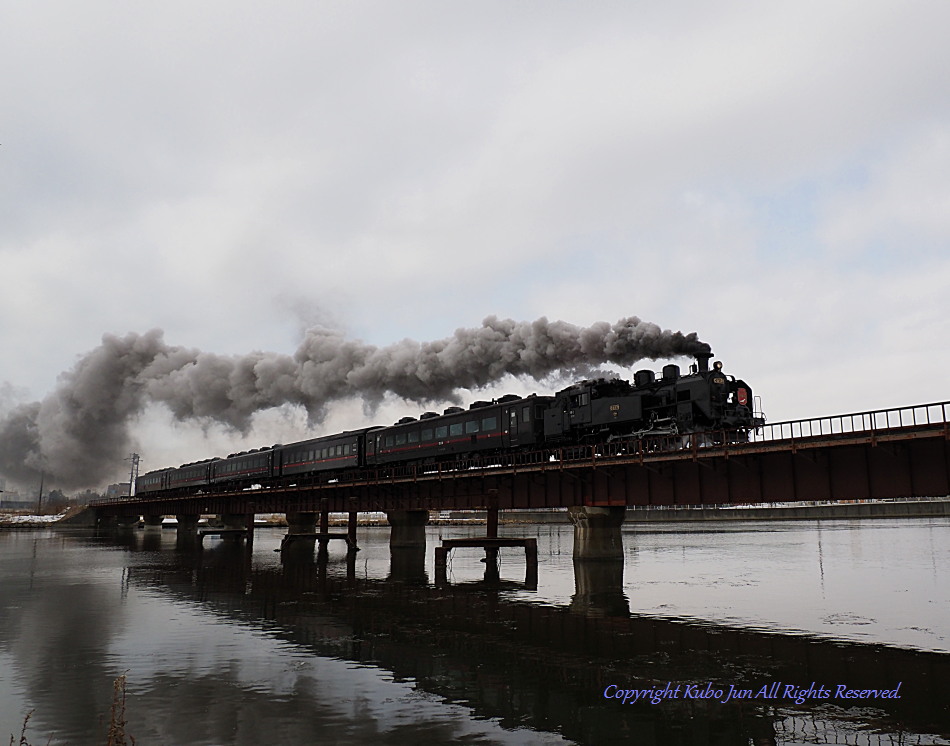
[[888, 453]]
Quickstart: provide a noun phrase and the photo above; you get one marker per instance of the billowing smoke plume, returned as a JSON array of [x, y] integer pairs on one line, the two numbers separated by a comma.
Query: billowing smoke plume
[[80, 432]]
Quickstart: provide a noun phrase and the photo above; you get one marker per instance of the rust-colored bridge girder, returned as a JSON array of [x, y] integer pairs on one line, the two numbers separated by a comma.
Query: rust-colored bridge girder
[[890, 453]]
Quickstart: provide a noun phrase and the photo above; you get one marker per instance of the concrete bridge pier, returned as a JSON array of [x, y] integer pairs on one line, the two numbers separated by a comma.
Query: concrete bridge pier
[[408, 528], [301, 523], [299, 542], [597, 532], [187, 524], [186, 535], [407, 546], [235, 522], [153, 522]]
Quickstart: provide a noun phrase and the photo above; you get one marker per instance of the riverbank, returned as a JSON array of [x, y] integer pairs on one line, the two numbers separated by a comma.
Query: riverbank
[[926, 508], [13, 521], [904, 508]]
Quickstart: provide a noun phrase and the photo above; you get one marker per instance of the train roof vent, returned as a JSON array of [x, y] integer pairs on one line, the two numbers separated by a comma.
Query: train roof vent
[[405, 420], [508, 398], [671, 372], [453, 410], [479, 404], [428, 415]]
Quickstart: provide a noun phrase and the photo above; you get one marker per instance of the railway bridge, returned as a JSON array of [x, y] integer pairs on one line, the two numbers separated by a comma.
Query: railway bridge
[[902, 452]]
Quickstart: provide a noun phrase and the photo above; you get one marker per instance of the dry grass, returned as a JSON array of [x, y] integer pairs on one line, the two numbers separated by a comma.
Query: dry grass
[[117, 722], [117, 736]]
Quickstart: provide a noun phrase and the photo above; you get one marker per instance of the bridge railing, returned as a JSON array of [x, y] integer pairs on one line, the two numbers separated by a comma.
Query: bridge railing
[[873, 421]]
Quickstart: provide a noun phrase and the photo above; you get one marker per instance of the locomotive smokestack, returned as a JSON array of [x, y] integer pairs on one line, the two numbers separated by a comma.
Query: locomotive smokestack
[[703, 359]]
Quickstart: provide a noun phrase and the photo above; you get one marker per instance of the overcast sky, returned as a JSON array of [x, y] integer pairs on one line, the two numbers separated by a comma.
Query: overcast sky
[[772, 176]]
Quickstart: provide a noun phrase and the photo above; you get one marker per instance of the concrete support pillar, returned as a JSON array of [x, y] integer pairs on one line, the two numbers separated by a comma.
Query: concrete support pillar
[[186, 535], [298, 550], [233, 520], [301, 523], [153, 522], [597, 532], [187, 524], [408, 528]]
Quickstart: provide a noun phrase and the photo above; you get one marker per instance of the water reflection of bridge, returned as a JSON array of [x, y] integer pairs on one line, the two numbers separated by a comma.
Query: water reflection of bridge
[[547, 666], [870, 455]]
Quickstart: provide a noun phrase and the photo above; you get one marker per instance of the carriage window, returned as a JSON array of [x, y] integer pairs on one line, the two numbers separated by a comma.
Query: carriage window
[[389, 441], [525, 414], [489, 423], [427, 434], [441, 432], [471, 427], [513, 418], [413, 437], [455, 429], [400, 439]]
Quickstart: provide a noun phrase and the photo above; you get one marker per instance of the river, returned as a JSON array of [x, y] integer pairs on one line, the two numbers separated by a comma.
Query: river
[[729, 633]]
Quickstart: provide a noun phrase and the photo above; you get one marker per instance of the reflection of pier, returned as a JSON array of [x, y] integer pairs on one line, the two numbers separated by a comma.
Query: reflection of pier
[[548, 666]]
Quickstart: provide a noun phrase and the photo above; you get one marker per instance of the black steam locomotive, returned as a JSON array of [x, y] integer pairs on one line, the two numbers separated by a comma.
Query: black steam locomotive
[[705, 401]]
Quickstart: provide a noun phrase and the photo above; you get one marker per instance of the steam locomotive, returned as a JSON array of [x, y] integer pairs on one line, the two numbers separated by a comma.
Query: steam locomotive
[[705, 400]]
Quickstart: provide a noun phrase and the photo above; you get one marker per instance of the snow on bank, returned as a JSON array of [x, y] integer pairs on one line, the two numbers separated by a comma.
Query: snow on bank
[[29, 520]]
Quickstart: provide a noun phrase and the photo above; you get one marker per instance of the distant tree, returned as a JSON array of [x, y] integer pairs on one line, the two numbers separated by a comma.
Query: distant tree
[[55, 501], [83, 498]]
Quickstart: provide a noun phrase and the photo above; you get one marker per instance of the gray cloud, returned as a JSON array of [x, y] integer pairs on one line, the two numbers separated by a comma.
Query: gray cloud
[[775, 172]]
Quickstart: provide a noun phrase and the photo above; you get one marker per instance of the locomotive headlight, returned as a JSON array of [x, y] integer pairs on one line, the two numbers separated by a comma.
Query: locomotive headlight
[[717, 365]]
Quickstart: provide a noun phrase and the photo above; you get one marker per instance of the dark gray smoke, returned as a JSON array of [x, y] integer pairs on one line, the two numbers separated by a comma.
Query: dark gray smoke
[[80, 433]]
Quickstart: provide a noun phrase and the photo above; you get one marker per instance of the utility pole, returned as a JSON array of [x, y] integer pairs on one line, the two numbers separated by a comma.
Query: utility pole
[[39, 500], [133, 473]]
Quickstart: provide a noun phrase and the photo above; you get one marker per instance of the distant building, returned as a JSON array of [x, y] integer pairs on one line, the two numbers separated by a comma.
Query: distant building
[[117, 490], [11, 500]]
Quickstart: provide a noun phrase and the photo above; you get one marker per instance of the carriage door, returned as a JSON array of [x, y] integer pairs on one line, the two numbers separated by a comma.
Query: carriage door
[[513, 426]]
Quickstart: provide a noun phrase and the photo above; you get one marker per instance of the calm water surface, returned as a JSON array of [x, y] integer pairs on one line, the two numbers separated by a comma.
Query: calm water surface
[[222, 647]]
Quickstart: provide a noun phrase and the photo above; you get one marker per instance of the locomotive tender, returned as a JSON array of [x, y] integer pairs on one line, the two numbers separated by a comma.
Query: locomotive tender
[[703, 401]]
